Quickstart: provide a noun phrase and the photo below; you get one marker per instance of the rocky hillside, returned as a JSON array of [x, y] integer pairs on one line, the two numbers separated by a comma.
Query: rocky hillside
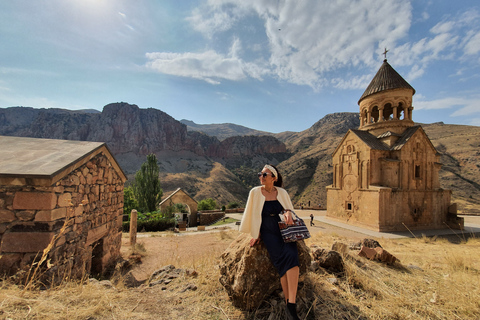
[[309, 169], [223, 130], [131, 133], [225, 168]]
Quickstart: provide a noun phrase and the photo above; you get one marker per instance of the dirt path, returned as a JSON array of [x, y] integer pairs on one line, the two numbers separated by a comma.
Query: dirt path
[[160, 249], [190, 249]]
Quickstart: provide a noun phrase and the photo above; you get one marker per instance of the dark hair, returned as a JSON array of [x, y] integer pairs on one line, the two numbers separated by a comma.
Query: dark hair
[[279, 182]]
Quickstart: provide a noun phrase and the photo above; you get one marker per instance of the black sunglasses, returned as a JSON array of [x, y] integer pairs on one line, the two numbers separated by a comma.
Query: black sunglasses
[[264, 174]]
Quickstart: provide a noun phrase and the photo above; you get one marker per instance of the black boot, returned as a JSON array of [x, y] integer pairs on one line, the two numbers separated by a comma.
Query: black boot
[[291, 311]]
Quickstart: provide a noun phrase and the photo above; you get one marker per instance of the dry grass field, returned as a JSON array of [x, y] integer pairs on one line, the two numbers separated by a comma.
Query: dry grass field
[[435, 279]]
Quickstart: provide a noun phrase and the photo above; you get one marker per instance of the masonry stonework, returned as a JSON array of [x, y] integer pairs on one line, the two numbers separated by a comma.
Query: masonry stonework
[[78, 218], [386, 173]]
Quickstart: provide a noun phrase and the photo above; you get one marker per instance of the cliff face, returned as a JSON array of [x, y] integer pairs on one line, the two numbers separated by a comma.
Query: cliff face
[[225, 170], [129, 130], [124, 127]]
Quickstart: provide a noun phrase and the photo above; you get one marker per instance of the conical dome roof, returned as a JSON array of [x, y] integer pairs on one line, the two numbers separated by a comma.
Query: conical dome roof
[[385, 79]]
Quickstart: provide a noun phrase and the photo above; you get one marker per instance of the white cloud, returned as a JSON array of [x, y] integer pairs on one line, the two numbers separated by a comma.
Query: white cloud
[[360, 82], [443, 27], [212, 19], [309, 38], [472, 46], [464, 106], [474, 122], [311, 42], [471, 106], [208, 66], [445, 103]]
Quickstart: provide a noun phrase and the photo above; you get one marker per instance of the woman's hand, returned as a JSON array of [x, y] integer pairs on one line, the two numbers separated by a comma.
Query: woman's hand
[[254, 241], [288, 217]]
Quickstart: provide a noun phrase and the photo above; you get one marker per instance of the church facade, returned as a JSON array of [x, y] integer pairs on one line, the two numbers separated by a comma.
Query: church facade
[[386, 172]]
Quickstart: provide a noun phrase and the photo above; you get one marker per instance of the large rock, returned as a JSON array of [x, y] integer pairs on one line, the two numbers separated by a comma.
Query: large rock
[[329, 260], [248, 275], [377, 254]]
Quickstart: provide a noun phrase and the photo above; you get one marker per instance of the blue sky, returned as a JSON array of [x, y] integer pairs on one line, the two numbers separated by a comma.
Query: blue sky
[[265, 64]]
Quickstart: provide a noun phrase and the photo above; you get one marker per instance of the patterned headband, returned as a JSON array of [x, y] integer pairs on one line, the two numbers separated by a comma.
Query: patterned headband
[[272, 170]]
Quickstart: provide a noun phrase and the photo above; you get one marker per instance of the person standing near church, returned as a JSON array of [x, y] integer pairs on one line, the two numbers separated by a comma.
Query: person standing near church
[[311, 220], [260, 219]]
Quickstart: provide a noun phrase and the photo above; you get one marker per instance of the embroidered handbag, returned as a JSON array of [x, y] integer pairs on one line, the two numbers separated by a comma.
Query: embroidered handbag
[[295, 232]]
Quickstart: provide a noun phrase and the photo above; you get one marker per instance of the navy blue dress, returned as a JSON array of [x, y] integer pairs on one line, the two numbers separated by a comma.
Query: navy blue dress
[[284, 256]]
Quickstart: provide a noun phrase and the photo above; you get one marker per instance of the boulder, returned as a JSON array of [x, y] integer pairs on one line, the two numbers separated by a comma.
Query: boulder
[[369, 243], [367, 252], [378, 253], [248, 275], [385, 256], [329, 260], [167, 274]]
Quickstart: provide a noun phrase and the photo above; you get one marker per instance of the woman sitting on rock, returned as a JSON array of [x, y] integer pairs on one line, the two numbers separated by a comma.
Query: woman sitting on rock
[[261, 217]]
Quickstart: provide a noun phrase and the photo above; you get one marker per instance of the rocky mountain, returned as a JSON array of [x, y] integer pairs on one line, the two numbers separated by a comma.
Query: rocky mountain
[[309, 169], [131, 133], [225, 168], [223, 130]]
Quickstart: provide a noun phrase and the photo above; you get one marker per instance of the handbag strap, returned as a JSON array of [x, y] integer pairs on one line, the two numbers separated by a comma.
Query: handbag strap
[[293, 213]]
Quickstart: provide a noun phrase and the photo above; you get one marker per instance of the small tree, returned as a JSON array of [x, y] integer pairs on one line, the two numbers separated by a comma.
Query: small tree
[[233, 205], [129, 200], [207, 204], [147, 185]]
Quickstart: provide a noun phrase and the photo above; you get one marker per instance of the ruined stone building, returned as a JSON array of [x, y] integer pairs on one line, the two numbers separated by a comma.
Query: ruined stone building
[[386, 172], [62, 196], [181, 197]]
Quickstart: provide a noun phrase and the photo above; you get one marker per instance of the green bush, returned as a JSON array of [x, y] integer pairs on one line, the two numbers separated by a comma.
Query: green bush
[[207, 204], [129, 201], [233, 205], [151, 221], [150, 225]]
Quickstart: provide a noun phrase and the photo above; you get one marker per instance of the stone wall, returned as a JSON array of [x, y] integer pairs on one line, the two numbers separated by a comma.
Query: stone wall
[[79, 217], [206, 219]]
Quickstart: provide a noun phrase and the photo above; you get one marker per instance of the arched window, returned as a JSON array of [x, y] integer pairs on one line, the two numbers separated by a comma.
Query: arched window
[[400, 111], [387, 111], [374, 114]]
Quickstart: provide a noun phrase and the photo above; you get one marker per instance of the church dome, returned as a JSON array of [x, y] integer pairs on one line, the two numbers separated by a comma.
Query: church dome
[[386, 79]]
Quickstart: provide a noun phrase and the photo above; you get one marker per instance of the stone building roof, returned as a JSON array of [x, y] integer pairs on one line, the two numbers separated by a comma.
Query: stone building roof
[[370, 140], [376, 144], [45, 161], [179, 190], [385, 79], [404, 137]]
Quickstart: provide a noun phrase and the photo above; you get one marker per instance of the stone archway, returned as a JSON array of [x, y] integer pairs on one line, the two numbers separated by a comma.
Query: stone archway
[[180, 196]]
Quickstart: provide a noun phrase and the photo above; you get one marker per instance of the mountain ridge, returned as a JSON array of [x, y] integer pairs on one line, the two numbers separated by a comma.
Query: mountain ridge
[[224, 169]]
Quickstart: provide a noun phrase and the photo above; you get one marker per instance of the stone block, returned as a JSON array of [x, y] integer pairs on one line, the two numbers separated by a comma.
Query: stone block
[[65, 200], [34, 201], [25, 215], [96, 234], [25, 241], [201, 228], [7, 216], [368, 253], [51, 215], [10, 263], [78, 211]]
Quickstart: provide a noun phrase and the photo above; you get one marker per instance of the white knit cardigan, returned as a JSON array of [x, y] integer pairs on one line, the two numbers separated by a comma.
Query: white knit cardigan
[[252, 216]]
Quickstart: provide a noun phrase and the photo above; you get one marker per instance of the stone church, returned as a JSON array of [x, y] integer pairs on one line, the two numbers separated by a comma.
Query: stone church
[[386, 172]]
